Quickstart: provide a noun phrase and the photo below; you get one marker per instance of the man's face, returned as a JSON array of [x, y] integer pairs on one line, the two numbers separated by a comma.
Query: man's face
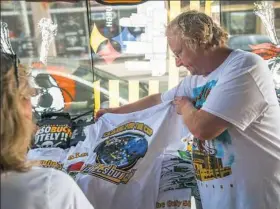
[[185, 56]]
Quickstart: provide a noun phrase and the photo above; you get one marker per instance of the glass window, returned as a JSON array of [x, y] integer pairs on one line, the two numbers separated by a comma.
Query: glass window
[[247, 25], [119, 52], [122, 50], [77, 56], [240, 22], [255, 26], [54, 51]]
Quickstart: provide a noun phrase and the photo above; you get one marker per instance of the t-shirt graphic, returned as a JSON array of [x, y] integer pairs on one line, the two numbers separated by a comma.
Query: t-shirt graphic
[[75, 159], [123, 169], [118, 153], [212, 158], [48, 157], [55, 130], [177, 182]]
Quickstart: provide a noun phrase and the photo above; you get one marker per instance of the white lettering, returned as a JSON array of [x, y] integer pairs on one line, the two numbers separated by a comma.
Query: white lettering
[[47, 129], [41, 130], [47, 137], [56, 136], [109, 16], [41, 137]]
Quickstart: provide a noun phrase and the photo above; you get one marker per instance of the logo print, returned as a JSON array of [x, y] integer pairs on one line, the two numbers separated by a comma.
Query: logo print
[[123, 151], [212, 159], [116, 156], [74, 169]]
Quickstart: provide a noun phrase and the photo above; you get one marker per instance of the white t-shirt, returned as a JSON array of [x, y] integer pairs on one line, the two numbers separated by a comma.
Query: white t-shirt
[[177, 180], [53, 157], [41, 188], [240, 169], [124, 166], [75, 159]]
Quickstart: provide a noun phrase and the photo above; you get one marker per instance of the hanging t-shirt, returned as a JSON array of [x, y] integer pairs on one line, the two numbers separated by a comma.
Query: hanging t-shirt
[[55, 130], [177, 180], [75, 159], [177, 183], [48, 157], [79, 132], [124, 167], [240, 169]]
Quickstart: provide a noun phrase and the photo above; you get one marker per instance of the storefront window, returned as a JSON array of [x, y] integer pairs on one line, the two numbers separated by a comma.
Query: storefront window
[[115, 54], [255, 26], [247, 24]]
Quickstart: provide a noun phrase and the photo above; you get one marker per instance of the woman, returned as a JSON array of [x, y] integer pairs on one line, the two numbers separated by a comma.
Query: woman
[[23, 185]]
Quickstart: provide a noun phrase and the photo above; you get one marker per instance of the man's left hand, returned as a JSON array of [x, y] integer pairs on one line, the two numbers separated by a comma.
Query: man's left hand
[[181, 103]]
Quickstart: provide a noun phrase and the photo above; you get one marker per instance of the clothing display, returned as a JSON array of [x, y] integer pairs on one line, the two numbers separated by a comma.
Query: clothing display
[[131, 161], [127, 153]]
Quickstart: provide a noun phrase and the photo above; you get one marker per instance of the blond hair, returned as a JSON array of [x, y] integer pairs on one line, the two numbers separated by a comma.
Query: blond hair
[[197, 29], [16, 131]]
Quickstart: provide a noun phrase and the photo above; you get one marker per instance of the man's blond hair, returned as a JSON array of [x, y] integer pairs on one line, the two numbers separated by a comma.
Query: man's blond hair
[[197, 29]]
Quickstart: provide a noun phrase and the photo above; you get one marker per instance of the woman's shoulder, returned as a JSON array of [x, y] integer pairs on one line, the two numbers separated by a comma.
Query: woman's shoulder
[[55, 178], [64, 190], [45, 177], [45, 172], [42, 186], [31, 187]]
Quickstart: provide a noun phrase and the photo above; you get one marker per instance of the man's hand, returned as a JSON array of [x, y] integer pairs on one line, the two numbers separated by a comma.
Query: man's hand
[[101, 112], [203, 125], [181, 103]]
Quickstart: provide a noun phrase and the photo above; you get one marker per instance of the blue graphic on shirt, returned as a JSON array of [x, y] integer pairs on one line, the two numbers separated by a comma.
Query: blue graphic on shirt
[[212, 158], [201, 93]]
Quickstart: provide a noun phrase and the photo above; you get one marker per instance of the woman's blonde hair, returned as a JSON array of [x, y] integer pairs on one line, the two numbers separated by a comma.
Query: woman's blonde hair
[[197, 29], [16, 130]]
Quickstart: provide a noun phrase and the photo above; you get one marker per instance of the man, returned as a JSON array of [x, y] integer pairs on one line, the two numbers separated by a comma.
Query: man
[[230, 107]]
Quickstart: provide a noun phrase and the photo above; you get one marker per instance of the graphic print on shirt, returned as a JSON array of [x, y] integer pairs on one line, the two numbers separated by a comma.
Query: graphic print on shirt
[[51, 164], [74, 168], [177, 182], [49, 136], [212, 159], [119, 152]]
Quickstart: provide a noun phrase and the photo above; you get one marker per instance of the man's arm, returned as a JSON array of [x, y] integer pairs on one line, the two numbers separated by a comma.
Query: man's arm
[[182, 89], [203, 125], [236, 101], [141, 104]]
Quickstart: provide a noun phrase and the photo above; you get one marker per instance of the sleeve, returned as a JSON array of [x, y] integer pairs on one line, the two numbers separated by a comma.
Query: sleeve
[[65, 193], [182, 89], [237, 100]]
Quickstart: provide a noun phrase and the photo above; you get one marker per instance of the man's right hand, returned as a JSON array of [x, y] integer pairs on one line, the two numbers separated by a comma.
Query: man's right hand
[[101, 112]]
